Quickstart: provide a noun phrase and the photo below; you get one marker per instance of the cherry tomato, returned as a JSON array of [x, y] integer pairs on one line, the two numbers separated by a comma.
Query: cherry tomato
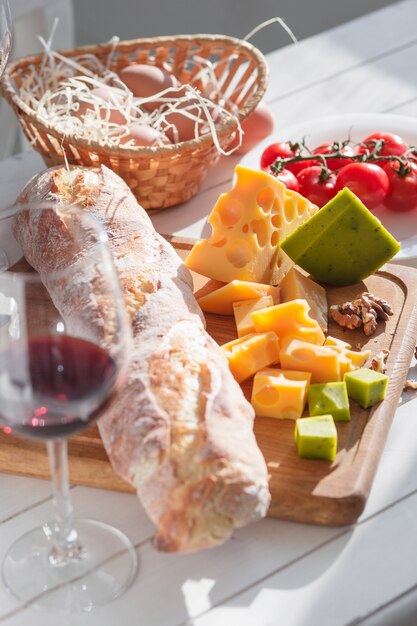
[[283, 150], [334, 164], [402, 193], [369, 182], [312, 186], [288, 178], [298, 166], [394, 145], [280, 150]]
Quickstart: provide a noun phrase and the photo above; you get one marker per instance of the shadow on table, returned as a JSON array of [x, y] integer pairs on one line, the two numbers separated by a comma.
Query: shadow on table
[[273, 555], [190, 585]]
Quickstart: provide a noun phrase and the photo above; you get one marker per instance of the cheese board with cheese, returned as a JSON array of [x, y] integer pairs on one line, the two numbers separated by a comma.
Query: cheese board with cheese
[[306, 490]]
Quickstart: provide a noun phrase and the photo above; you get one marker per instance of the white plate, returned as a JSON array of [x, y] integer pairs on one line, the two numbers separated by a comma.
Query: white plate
[[403, 226]]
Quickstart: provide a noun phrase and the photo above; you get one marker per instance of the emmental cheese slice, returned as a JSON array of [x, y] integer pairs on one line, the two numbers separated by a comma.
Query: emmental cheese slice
[[280, 393], [327, 363], [321, 361], [251, 353], [289, 319], [349, 359], [334, 341], [242, 311], [220, 301], [296, 285], [248, 223]]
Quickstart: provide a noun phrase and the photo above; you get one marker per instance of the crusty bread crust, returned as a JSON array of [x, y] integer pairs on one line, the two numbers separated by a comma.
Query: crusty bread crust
[[181, 430]]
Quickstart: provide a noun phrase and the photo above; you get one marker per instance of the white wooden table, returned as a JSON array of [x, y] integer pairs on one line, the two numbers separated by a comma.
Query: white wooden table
[[274, 572]]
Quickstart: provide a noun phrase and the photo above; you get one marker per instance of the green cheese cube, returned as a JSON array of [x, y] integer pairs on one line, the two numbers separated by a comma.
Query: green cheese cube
[[341, 244], [366, 386], [329, 398], [316, 437]]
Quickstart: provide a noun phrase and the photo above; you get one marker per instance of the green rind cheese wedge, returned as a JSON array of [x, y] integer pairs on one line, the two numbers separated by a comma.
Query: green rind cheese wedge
[[316, 437], [341, 244], [366, 386]]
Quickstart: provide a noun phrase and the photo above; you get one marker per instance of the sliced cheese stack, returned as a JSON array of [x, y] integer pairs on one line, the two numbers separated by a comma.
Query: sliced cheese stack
[[248, 223], [301, 342], [285, 335], [221, 300]]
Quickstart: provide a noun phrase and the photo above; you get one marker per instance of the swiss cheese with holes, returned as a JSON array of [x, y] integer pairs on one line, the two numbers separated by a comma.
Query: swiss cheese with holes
[[247, 224]]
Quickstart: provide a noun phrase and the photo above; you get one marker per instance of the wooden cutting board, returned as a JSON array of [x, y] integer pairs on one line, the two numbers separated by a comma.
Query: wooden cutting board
[[303, 490]]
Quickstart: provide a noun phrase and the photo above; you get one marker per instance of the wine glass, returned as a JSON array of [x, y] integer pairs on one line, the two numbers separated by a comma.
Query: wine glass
[[58, 370], [5, 34], [5, 47]]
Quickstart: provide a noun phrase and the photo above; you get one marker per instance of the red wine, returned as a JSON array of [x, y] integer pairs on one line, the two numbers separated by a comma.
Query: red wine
[[53, 386]]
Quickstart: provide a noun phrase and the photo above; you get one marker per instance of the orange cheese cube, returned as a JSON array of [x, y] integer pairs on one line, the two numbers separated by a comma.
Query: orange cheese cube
[[296, 285], [321, 361], [251, 353], [242, 311], [289, 319], [221, 300], [280, 393], [248, 223]]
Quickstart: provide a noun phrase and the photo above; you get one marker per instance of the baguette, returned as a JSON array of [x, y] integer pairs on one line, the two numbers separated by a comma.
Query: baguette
[[180, 431]]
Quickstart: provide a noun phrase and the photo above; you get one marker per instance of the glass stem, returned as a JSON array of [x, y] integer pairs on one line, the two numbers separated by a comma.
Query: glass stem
[[63, 535]]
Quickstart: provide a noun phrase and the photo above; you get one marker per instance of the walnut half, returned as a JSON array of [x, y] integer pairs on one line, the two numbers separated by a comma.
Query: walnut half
[[366, 311], [379, 362]]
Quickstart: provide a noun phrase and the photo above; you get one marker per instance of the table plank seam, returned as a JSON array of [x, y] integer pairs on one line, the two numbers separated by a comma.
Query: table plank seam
[[330, 77], [398, 105], [29, 508], [360, 620], [22, 607]]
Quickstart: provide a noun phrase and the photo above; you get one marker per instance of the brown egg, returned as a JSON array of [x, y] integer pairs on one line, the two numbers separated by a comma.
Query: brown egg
[[184, 125], [107, 94], [143, 135], [258, 125], [145, 81]]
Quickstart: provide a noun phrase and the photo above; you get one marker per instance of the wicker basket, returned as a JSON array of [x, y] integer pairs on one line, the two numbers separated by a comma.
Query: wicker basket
[[158, 176]]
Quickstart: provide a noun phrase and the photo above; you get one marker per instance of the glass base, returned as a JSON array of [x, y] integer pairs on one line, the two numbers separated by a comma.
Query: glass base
[[4, 261], [99, 573]]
